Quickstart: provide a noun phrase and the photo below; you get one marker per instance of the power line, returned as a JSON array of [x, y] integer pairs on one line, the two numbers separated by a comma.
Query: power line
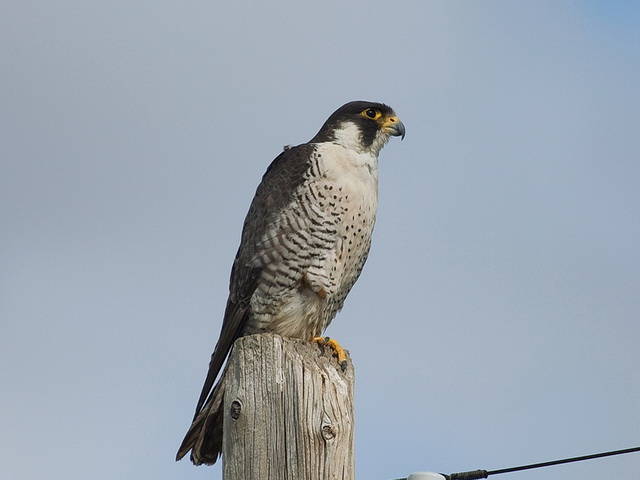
[[478, 474], [565, 460]]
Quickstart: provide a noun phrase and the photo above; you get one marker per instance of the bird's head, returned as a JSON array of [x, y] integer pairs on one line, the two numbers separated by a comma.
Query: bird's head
[[361, 126]]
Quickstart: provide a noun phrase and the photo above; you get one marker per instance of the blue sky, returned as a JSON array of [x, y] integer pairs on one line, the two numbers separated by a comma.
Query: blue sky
[[496, 321]]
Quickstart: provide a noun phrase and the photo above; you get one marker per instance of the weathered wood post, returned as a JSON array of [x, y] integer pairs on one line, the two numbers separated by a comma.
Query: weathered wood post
[[288, 412]]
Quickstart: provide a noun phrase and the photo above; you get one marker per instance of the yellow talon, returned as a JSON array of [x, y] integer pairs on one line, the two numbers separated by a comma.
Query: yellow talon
[[340, 352]]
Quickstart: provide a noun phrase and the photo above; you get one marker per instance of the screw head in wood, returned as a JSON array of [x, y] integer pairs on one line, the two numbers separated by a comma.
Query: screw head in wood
[[236, 408], [328, 432]]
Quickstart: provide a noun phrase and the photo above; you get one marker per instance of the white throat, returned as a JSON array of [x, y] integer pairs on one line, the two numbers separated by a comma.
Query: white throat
[[348, 136]]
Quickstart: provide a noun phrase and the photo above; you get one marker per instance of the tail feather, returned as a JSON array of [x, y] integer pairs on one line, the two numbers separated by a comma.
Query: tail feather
[[204, 437]]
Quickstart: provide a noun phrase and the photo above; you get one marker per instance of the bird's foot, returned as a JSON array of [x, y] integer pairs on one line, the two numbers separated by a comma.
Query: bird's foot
[[340, 352]]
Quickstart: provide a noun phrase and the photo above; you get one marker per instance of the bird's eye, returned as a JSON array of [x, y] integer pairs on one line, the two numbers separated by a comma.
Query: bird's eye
[[371, 113]]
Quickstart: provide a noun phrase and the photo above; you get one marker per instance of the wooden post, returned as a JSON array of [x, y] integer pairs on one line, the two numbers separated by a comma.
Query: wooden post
[[288, 412]]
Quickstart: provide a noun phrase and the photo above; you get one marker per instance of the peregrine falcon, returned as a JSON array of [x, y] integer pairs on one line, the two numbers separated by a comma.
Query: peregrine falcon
[[304, 243]]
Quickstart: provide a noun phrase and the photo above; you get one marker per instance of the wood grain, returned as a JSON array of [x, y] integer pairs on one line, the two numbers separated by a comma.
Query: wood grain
[[288, 412]]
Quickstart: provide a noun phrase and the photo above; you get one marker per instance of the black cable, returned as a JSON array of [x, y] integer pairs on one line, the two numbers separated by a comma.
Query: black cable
[[565, 460], [478, 474]]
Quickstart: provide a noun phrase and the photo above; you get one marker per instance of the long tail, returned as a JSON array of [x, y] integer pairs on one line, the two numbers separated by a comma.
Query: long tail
[[204, 437]]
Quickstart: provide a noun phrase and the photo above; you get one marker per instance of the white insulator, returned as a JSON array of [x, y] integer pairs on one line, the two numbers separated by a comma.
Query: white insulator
[[426, 476]]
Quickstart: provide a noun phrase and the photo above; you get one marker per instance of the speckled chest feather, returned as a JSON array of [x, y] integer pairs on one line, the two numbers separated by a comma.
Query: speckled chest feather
[[314, 251]]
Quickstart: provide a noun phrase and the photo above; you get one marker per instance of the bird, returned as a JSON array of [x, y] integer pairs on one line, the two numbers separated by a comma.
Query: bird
[[304, 243]]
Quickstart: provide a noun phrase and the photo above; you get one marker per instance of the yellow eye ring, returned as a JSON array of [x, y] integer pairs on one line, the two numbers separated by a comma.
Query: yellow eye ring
[[371, 113]]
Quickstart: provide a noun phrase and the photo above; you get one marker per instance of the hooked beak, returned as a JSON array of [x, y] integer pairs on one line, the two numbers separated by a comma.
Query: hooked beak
[[393, 126]]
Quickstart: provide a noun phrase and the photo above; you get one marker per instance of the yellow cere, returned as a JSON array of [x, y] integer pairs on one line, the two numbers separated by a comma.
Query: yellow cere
[[390, 120]]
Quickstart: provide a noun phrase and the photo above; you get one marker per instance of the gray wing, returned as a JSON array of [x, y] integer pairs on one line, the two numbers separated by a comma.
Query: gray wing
[[279, 184]]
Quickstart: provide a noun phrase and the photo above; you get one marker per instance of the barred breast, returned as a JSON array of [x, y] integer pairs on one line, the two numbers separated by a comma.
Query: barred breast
[[314, 251]]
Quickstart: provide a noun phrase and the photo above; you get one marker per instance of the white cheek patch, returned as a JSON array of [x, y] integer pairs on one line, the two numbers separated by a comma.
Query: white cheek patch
[[349, 136]]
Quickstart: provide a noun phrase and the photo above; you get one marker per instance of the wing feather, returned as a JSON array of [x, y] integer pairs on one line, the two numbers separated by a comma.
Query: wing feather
[[274, 193]]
